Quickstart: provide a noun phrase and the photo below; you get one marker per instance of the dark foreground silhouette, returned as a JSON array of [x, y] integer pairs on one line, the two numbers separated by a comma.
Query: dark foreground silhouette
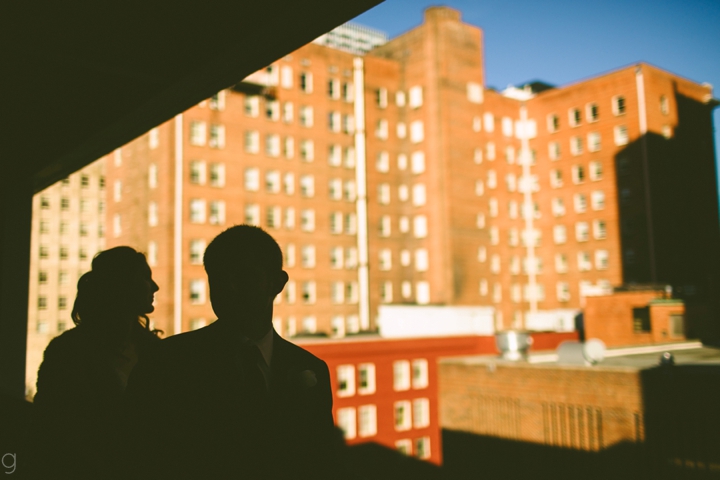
[[78, 425], [233, 399]]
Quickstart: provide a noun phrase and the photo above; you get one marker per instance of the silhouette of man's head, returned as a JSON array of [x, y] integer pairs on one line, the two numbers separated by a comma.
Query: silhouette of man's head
[[244, 267], [119, 285]]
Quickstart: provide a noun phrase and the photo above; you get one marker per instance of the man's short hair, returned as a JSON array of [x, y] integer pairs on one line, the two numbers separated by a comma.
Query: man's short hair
[[242, 245]]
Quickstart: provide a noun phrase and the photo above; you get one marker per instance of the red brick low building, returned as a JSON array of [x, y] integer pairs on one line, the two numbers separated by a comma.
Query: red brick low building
[[386, 390]]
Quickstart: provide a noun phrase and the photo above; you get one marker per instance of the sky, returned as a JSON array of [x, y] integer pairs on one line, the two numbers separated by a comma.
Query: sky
[[563, 41]]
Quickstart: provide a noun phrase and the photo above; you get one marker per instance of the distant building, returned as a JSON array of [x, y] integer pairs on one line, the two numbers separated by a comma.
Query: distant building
[[396, 177], [632, 413], [352, 38], [386, 389], [68, 229]]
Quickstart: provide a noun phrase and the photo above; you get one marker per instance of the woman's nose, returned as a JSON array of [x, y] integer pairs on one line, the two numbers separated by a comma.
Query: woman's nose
[[155, 287]]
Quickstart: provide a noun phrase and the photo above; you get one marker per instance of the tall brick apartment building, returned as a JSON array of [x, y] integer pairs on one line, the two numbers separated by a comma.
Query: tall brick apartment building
[[397, 176]]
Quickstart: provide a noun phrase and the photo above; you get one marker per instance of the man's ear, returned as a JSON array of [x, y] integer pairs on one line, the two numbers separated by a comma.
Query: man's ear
[[282, 279]]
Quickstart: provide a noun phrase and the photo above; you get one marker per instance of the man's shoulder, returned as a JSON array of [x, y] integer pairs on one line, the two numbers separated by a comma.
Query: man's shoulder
[[187, 344], [299, 353]]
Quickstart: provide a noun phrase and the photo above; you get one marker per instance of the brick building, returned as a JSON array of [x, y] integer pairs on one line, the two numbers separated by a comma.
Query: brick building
[[386, 389], [398, 177], [634, 317], [68, 229], [624, 416]]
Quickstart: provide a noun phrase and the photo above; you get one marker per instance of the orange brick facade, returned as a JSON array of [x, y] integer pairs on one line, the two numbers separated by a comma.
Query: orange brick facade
[[610, 318], [444, 183], [564, 406]]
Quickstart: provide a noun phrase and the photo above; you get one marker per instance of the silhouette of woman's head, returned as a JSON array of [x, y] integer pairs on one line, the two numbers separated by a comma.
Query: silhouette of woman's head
[[118, 288], [244, 267]]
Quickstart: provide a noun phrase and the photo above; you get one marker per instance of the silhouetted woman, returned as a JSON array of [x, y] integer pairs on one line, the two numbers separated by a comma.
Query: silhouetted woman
[[78, 430]]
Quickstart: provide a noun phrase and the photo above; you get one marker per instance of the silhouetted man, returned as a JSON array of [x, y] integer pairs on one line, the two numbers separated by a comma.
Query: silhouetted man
[[233, 399]]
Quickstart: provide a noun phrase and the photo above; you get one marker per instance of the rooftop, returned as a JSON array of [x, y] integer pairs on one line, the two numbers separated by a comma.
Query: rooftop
[[635, 358]]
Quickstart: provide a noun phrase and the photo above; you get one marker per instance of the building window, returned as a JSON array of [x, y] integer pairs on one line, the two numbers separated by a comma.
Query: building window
[[417, 131], [621, 135], [594, 142], [599, 229], [417, 162], [553, 122], [404, 446], [592, 112], [347, 421], [419, 373], [348, 92], [561, 263], [580, 202], [308, 292], [401, 375], [306, 82], [286, 76], [664, 105], [382, 162], [574, 117], [422, 293], [217, 174], [584, 261], [252, 179], [306, 116], [576, 146], [333, 88], [197, 211], [307, 186], [401, 130], [421, 412], [422, 448], [62, 303], [334, 121], [307, 256], [287, 112], [596, 171], [346, 380], [366, 378], [404, 224], [197, 172], [197, 292], [618, 105], [384, 194], [217, 212], [582, 232], [386, 292], [554, 150], [415, 97], [197, 133], [385, 255], [420, 226], [559, 234], [641, 319], [563, 291], [252, 214], [307, 220], [252, 106], [152, 215], [556, 178], [493, 207], [217, 136], [252, 141], [558, 207], [381, 129], [601, 259], [419, 196], [474, 92], [349, 157], [367, 420], [42, 303], [578, 174], [597, 200], [421, 260], [403, 416], [352, 287], [272, 110], [307, 150], [197, 250]]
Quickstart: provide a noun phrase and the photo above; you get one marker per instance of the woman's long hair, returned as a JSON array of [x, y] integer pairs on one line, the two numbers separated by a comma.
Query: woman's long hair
[[103, 292]]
